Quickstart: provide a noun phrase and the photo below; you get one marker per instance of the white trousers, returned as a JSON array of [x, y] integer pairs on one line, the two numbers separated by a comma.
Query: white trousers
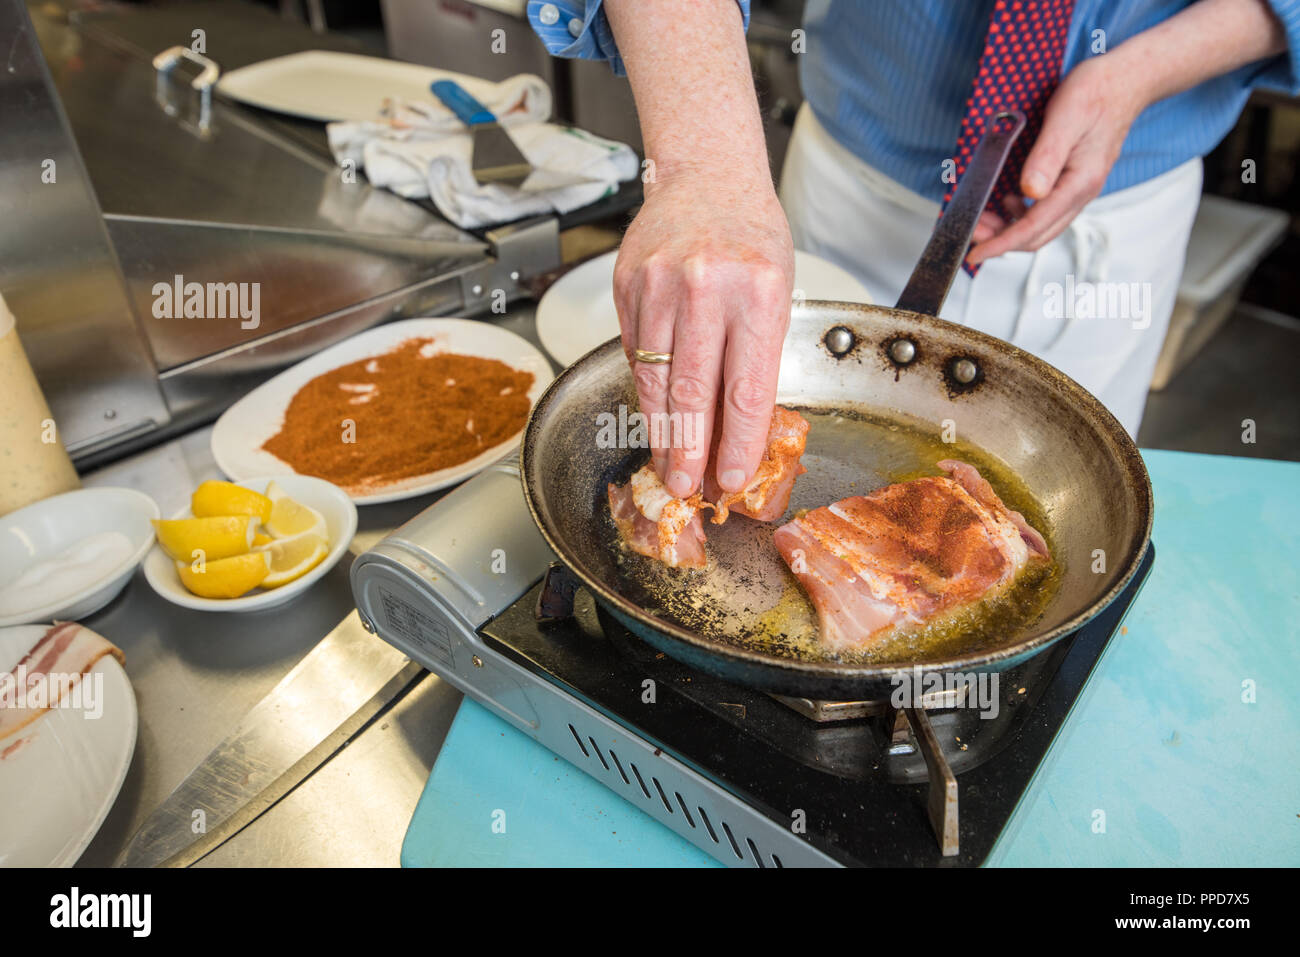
[[1094, 302]]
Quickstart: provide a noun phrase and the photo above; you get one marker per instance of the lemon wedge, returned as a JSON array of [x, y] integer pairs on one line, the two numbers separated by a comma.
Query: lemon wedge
[[291, 558], [212, 538], [290, 519], [259, 540], [214, 498], [226, 577]]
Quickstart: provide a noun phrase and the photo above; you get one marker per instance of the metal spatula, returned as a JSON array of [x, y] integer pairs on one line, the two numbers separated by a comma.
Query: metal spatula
[[495, 157]]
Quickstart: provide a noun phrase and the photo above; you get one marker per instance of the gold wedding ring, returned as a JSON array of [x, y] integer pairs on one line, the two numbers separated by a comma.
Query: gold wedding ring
[[653, 358]]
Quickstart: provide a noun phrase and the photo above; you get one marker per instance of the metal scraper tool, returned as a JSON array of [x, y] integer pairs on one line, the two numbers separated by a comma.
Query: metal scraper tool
[[495, 157]]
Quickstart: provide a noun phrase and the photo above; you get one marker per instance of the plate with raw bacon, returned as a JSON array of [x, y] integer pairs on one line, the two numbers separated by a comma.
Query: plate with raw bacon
[[67, 734]]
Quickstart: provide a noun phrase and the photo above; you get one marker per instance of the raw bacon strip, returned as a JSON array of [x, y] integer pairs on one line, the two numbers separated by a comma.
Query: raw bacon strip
[[978, 486], [654, 523], [767, 495], [66, 649], [906, 553]]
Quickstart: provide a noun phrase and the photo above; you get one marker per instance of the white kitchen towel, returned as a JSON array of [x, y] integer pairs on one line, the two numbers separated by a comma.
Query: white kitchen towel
[[422, 150]]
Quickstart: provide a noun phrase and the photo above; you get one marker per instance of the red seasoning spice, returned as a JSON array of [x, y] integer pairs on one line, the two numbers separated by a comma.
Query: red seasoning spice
[[408, 412]]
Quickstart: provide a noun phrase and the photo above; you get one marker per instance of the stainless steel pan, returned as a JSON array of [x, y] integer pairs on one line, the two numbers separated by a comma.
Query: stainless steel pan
[[883, 388]]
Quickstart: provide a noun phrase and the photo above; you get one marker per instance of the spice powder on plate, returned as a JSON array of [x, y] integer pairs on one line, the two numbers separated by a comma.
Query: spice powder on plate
[[408, 412]]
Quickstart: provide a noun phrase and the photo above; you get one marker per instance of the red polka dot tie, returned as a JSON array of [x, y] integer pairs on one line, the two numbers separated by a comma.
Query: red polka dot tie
[[1020, 69]]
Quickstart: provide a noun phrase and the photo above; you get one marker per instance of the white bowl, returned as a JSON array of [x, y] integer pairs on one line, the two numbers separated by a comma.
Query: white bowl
[[340, 519], [45, 529]]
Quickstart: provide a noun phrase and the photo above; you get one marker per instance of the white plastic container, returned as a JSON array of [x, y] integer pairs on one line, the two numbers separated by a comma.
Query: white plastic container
[[1228, 240], [33, 463]]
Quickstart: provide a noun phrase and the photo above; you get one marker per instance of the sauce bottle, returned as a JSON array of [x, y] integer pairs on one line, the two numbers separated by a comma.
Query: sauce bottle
[[33, 462]]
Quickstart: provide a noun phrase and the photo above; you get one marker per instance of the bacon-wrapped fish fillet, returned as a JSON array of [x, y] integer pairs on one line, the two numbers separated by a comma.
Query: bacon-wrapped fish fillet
[[906, 553], [652, 522], [767, 495]]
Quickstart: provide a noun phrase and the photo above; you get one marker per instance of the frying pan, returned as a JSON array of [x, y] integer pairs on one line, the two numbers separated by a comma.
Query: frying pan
[[884, 389]]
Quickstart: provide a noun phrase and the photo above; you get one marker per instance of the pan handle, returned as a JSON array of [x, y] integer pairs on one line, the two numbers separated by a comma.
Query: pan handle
[[933, 276]]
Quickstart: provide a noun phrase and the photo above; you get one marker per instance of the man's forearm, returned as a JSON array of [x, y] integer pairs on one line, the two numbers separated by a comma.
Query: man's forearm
[[690, 75], [1205, 40]]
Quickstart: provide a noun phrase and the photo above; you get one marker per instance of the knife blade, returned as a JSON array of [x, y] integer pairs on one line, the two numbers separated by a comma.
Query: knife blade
[[337, 688]]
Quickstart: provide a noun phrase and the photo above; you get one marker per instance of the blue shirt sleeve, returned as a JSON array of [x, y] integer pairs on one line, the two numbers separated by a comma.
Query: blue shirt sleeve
[[1283, 72], [580, 29]]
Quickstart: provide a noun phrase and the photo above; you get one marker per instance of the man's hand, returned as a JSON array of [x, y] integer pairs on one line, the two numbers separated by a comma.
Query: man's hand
[[704, 273], [1084, 128], [1090, 113], [706, 268]]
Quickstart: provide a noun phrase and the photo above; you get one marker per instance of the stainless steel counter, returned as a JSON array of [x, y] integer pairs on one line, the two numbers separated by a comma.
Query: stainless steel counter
[[196, 674]]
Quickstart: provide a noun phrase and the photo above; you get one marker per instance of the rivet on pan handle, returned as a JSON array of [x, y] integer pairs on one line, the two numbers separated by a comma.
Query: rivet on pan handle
[[933, 276]]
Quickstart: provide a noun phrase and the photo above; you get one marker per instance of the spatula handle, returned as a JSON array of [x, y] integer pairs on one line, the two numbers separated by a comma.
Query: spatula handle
[[454, 97]]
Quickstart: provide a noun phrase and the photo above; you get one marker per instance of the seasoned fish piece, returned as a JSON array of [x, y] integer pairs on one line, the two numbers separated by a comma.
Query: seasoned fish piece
[[767, 495], [906, 552], [652, 522], [978, 486]]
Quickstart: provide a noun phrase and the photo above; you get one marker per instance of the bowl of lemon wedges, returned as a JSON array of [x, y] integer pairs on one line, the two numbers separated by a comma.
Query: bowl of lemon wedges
[[250, 545]]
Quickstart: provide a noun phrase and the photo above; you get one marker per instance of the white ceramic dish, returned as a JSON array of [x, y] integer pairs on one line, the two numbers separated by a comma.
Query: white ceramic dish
[[577, 313], [46, 529], [58, 784], [340, 519], [238, 436], [328, 86]]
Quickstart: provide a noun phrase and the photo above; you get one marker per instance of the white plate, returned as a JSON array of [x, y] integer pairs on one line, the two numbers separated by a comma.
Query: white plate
[[328, 86], [577, 313], [45, 529], [238, 435], [58, 786], [340, 519]]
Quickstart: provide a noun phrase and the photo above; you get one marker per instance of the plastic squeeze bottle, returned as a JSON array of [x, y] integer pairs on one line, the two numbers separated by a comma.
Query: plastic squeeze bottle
[[33, 462]]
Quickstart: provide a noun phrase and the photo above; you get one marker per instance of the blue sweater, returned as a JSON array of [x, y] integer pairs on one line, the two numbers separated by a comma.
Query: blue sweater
[[889, 78]]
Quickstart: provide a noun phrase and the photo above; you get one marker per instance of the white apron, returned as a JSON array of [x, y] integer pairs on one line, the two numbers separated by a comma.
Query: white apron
[[1094, 302]]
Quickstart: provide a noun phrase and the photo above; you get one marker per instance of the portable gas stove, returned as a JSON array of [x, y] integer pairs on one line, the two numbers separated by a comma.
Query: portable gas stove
[[469, 589]]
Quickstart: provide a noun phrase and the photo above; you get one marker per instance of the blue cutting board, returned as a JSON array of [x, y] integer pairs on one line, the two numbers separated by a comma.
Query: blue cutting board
[[1183, 748]]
